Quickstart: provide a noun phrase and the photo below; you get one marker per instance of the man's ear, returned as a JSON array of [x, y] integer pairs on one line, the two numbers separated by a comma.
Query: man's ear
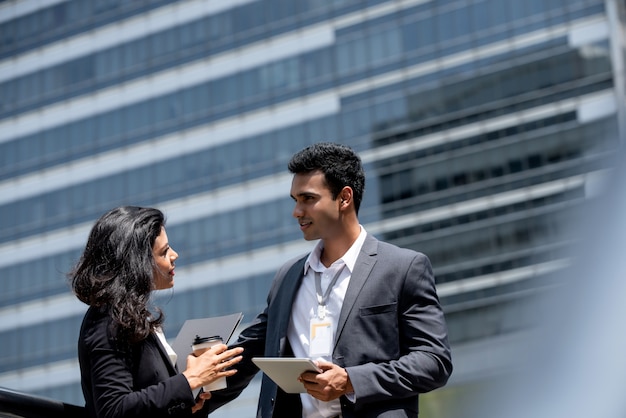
[[345, 195]]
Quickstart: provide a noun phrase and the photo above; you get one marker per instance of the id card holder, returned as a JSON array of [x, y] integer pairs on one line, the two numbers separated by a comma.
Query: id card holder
[[320, 337]]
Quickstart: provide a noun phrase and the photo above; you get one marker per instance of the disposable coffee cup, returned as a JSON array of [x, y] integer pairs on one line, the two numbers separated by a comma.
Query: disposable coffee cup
[[199, 346]]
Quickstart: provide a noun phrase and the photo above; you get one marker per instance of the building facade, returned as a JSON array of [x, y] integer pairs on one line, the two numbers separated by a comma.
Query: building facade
[[483, 125]]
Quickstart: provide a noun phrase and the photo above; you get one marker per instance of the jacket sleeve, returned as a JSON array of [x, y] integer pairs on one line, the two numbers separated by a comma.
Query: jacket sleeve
[[256, 338], [406, 339]]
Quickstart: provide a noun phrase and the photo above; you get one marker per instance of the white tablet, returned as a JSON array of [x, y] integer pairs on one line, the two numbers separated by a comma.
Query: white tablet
[[284, 371]]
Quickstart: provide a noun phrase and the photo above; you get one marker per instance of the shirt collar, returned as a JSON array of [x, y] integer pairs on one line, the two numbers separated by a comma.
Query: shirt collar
[[349, 258]]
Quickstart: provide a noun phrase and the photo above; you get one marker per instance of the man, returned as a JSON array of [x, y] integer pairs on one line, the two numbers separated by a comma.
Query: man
[[386, 337]]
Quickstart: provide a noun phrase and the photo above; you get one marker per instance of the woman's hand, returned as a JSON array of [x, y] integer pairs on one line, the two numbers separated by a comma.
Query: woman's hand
[[214, 363], [202, 396]]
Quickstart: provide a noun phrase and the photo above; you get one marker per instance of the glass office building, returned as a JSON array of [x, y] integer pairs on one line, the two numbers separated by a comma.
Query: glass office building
[[483, 124]]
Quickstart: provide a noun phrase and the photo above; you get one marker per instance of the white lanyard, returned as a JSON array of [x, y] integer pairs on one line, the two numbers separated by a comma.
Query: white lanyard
[[323, 298]]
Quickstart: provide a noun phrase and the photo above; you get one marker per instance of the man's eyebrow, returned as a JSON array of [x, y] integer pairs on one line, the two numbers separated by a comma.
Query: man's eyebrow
[[305, 193]]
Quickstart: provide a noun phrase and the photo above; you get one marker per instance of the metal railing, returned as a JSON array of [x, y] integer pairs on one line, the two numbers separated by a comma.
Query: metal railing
[[15, 404]]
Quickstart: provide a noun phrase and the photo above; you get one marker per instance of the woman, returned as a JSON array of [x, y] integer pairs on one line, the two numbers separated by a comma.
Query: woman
[[127, 367]]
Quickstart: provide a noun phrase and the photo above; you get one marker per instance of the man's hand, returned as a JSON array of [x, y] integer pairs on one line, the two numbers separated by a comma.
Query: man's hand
[[328, 385]]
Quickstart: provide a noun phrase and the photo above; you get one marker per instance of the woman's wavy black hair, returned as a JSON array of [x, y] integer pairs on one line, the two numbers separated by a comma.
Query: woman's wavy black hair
[[116, 269]]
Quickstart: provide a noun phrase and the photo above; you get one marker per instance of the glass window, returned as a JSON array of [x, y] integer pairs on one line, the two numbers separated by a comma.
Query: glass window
[[198, 31], [245, 18], [105, 64], [479, 14], [22, 27], [377, 47], [42, 274], [187, 99], [299, 140], [497, 12], [194, 240], [239, 230], [104, 127], [330, 128], [14, 341], [210, 95], [223, 230], [280, 74], [359, 53], [21, 273], [9, 155], [343, 58], [258, 151], [135, 185], [103, 194], [117, 61], [185, 34], [382, 116], [518, 9], [426, 34], [90, 196], [282, 146], [159, 111], [316, 131], [410, 37], [231, 87], [76, 200], [211, 237], [6, 35], [265, 78], [10, 93], [292, 72], [134, 55], [397, 109], [325, 62], [460, 24], [214, 26], [235, 154], [534, 6], [22, 87], [82, 70], [135, 118], [48, 81], [249, 85], [171, 41]]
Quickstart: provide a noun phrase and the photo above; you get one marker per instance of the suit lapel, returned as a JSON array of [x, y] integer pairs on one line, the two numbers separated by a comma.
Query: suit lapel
[[362, 269], [285, 296], [163, 352]]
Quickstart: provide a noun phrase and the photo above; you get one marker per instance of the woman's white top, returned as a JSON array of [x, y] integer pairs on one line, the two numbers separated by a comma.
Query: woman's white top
[[168, 348]]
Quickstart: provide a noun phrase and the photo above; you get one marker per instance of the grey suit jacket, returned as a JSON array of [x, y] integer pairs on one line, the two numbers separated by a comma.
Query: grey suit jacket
[[391, 336]]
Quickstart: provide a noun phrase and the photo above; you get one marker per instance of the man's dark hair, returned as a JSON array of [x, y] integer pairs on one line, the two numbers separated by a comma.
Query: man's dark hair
[[339, 163]]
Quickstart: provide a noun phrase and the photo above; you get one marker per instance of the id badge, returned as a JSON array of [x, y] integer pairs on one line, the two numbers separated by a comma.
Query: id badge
[[320, 337]]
